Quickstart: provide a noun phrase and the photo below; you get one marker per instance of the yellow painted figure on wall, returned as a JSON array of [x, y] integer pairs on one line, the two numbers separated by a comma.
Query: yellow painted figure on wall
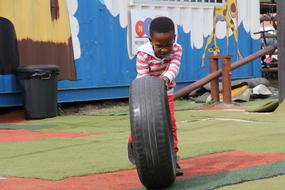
[[43, 33], [229, 14]]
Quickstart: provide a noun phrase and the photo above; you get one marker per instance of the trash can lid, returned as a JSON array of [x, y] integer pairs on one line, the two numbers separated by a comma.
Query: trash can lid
[[37, 68]]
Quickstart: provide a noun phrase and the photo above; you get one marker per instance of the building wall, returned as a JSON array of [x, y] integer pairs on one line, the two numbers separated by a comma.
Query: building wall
[[95, 41]]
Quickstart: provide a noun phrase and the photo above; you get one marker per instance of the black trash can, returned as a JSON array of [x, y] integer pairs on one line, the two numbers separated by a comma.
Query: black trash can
[[39, 89]]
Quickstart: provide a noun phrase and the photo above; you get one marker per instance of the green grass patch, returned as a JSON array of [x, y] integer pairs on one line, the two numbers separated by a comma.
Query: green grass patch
[[188, 104], [27, 127], [276, 183], [59, 158], [230, 177], [200, 133]]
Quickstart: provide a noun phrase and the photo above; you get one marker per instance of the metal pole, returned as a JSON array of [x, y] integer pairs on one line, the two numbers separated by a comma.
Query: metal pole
[[281, 47], [186, 90]]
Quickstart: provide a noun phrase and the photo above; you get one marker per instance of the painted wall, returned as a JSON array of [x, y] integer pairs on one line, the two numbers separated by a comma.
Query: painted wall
[[91, 42], [43, 33]]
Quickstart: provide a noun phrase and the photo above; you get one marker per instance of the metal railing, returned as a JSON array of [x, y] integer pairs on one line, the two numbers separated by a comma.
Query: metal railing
[[186, 90]]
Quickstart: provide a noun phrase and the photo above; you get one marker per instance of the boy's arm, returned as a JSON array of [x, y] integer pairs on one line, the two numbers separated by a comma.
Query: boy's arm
[[174, 65], [142, 65]]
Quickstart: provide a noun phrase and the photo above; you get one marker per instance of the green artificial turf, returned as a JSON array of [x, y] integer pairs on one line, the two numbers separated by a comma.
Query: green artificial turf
[[59, 158], [200, 133], [275, 183], [255, 102], [269, 106], [203, 132], [188, 104], [231, 177], [27, 127]]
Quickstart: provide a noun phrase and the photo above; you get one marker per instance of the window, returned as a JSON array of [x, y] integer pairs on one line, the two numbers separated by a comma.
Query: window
[[178, 2]]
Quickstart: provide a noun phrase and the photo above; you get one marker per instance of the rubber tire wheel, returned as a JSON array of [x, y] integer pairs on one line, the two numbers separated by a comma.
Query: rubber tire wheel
[[152, 133]]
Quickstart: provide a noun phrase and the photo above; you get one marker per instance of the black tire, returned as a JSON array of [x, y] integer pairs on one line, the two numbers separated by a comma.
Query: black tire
[[151, 133]]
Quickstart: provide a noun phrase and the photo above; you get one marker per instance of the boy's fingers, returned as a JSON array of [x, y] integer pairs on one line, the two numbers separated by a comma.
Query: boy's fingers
[[166, 80], [169, 85]]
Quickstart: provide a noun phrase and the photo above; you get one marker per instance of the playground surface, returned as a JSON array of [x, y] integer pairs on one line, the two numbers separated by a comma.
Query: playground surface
[[220, 148]]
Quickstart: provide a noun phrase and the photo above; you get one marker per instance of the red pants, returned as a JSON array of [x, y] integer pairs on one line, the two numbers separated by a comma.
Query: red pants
[[173, 123]]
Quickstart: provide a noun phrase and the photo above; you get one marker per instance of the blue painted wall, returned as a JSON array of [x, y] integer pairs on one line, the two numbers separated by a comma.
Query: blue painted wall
[[104, 70]]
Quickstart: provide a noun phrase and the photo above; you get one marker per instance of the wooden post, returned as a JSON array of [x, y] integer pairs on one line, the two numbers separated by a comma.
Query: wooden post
[[195, 85], [281, 47], [214, 66], [227, 79]]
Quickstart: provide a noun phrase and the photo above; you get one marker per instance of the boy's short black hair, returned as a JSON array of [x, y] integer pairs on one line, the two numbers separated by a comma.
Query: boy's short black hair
[[161, 25]]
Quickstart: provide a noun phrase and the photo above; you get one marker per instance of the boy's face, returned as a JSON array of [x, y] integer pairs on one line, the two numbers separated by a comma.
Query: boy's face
[[162, 43]]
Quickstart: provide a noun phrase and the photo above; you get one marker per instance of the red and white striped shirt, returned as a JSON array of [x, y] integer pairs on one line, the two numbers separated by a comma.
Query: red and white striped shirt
[[149, 64]]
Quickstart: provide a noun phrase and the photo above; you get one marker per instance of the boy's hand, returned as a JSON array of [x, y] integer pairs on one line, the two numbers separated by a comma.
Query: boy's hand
[[167, 83]]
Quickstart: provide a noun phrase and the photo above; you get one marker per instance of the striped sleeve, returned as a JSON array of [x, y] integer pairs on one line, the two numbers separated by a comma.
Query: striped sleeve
[[142, 65], [174, 65]]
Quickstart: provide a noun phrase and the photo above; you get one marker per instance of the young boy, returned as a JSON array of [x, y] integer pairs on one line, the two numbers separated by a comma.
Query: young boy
[[160, 57]]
